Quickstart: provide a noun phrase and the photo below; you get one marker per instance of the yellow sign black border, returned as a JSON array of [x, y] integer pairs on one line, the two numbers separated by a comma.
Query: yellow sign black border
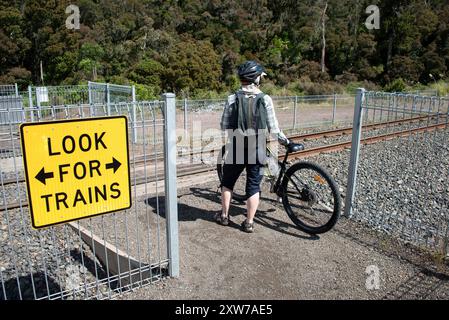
[[30, 205]]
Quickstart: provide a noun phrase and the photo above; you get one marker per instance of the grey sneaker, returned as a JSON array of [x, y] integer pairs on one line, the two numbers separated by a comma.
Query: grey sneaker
[[220, 219], [248, 227]]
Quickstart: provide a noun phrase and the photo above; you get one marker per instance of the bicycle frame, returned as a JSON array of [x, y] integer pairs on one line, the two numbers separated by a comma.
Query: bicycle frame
[[283, 166]]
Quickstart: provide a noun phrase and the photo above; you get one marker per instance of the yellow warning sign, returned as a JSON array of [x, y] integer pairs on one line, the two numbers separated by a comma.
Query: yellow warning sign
[[76, 169]]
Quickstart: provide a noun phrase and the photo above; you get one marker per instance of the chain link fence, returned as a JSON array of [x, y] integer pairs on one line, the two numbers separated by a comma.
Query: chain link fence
[[401, 185]]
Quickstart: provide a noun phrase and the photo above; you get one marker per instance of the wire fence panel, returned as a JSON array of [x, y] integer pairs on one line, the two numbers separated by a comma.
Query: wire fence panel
[[293, 112], [112, 93], [11, 105], [94, 258], [428, 92], [197, 119], [11, 109], [92, 93], [328, 110], [402, 185], [8, 90]]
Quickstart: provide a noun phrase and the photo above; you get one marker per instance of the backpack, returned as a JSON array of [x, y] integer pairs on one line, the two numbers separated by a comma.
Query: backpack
[[249, 113]]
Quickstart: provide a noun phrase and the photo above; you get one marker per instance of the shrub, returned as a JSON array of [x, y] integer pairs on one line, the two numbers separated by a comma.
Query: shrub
[[147, 92], [312, 69], [346, 77], [206, 94], [397, 85], [351, 87], [442, 87], [308, 87], [21, 76], [404, 68], [271, 89]]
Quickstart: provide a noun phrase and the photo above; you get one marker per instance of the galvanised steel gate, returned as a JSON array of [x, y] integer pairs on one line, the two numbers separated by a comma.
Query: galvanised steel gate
[[400, 186], [11, 105], [101, 257]]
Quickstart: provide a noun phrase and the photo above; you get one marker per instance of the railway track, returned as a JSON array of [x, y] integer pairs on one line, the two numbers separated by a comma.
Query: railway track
[[369, 140], [154, 156], [147, 160], [186, 170]]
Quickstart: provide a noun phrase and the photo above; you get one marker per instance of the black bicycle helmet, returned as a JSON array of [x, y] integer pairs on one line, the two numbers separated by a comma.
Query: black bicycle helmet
[[250, 71]]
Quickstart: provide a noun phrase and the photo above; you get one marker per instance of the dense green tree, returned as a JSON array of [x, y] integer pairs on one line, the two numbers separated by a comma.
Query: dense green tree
[[192, 65], [192, 46]]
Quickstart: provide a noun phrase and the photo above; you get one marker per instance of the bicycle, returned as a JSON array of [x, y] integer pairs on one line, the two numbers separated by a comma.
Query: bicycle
[[299, 192]]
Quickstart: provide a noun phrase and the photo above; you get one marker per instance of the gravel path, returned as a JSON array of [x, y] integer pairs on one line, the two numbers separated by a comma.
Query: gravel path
[[280, 262], [403, 196]]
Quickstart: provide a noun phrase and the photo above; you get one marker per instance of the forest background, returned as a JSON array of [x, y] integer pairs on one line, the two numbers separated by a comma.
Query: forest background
[[193, 47]]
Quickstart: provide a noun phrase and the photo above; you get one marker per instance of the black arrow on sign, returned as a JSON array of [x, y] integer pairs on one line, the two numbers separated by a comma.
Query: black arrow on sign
[[114, 165], [42, 176]]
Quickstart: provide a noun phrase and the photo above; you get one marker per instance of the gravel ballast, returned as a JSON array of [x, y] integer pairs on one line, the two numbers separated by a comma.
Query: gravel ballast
[[402, 192], [280, 262]]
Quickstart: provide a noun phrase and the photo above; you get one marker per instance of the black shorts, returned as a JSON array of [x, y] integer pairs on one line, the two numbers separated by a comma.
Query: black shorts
[[251, 160], [254, 175]]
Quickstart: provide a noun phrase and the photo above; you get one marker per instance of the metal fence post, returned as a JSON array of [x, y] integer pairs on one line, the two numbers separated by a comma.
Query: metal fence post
[[108, 99], [185, 115], [38, 93], [334, 109], [171, 200], [295, 112], [355, 150], [89, 93], [30, 100], [19, 102], [134, 115]]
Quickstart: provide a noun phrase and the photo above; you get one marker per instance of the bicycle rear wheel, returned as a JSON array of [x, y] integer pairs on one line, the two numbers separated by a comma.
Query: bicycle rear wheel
[[239, 192], [311, 197]]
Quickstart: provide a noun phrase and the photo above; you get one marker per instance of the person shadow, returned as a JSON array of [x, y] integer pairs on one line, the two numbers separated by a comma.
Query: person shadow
[[190, 212]]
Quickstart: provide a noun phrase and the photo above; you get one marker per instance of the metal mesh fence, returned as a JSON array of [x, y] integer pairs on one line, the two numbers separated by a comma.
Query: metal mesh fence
[[12, 109], [402, 182], [293, 113], [428, 93], [197, 118], [94, 258], [92, 93], [8, 90], [11, 105]]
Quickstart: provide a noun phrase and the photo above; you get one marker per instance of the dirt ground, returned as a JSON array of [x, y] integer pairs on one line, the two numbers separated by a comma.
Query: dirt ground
[[280, 262]]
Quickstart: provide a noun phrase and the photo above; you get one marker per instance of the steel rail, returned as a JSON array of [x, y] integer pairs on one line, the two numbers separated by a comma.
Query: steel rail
[[202, 168]]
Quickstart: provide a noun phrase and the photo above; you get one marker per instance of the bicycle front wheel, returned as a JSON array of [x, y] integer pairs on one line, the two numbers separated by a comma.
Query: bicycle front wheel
[[311, 197]]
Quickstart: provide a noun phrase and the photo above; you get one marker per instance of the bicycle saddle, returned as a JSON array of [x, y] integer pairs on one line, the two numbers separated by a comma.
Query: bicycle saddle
[[295, 147]]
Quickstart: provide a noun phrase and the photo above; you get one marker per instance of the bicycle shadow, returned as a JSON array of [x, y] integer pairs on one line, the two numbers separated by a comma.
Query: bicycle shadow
[[189, 212]]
